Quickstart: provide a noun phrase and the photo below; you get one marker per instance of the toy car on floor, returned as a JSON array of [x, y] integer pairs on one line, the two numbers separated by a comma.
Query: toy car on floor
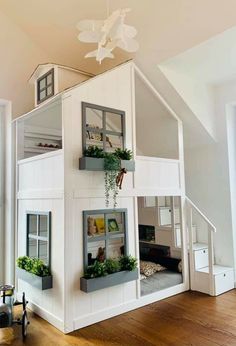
[[7, 303]]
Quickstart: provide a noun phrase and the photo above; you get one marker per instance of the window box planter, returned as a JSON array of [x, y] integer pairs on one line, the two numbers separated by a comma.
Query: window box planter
[[42, 283], [91, 285], [95, 164]]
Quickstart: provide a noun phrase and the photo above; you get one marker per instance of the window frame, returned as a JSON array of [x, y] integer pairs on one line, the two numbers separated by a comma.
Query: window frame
[[39, 90], [38, 237], [103, 131], [108, 235]]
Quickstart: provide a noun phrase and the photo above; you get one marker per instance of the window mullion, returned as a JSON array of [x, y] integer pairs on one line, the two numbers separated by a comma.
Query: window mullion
[[38, 225], [104, 129]]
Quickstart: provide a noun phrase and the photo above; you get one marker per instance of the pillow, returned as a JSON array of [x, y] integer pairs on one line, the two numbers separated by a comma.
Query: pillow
[[150, 268], [142, 277], [180, 267]]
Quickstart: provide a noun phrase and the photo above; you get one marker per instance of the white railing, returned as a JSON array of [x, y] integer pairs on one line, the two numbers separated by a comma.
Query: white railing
[[211, 229]]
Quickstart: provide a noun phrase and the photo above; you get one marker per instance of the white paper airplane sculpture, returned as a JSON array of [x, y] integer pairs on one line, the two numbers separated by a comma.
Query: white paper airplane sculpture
[[108, 34]]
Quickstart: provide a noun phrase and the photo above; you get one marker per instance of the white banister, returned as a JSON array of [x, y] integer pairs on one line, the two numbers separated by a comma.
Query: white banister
[[213, 228], [210, 257], [210, 229], [189, 220]]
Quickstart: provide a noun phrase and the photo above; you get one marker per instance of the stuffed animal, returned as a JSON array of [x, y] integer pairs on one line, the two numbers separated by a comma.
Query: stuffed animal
[[101, 254], [91, 226]]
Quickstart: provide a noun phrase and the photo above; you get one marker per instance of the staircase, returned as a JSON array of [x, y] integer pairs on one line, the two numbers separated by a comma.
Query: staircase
[[206, 276]]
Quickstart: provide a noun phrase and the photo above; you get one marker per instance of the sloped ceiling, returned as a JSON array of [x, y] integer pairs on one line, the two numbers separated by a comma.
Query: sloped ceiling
[[33, 32]]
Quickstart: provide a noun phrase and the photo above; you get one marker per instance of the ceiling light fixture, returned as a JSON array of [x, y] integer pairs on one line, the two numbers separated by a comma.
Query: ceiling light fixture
[[108, 34]]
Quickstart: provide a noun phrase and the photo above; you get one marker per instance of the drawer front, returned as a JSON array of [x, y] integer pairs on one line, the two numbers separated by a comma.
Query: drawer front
[[224, 282], [201, 258]]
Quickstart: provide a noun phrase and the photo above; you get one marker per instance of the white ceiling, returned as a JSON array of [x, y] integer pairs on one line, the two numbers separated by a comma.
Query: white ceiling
[[33, 32]]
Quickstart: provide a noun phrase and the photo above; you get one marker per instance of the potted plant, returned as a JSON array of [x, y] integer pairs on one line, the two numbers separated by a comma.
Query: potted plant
[[34, 271], [114, 164], [93, 159], [109, 273]]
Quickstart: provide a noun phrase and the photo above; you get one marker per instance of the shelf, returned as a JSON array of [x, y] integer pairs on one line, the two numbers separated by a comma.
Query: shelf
[[43, 136], [39, 150]]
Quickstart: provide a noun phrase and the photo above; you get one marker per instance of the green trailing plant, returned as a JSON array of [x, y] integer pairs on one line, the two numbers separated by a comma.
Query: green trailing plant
[[110, 266], [111, 168], [123, 154], [94, 151], [128, 263], [33, 265]]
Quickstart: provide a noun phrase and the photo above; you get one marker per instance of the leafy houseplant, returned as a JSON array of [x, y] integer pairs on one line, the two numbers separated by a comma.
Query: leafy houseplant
[[128, 263], [110, 266], [123, 154], [94, 151], [33, 265], [96, 270]]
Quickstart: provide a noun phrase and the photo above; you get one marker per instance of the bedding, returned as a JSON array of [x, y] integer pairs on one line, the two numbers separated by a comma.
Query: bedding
[[148, 268]]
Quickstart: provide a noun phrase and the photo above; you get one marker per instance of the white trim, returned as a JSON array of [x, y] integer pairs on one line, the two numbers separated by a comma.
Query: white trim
[[155, 92], [156, 159], [98, 193], [41, 156], [40, 194], [8, 259], [37, 72], [47, 104], [89, 319], [46, 315]]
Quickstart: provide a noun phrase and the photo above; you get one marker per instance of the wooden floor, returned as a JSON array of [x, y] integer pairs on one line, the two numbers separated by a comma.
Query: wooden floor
[[186, 319]]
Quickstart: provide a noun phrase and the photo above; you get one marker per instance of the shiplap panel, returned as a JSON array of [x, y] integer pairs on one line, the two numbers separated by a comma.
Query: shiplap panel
[[159, 174], [42, 173], [50, 300]]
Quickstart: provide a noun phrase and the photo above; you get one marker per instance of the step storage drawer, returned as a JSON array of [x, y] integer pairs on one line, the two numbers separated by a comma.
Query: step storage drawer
[[201, 258], [224, 282]]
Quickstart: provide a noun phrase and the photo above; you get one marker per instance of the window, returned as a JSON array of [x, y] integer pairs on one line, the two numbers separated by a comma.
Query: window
[[105, 235], [38, 236], [45, 86], [103, 127]]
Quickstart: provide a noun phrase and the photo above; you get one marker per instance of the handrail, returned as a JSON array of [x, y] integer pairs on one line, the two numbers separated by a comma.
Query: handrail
[[213, 228]]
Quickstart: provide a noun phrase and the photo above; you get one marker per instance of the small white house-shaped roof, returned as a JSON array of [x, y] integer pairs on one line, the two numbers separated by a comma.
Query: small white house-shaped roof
[[41, 67]]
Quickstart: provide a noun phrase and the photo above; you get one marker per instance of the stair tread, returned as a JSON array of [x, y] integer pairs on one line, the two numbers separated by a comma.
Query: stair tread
[[217, 269], [200, 246]]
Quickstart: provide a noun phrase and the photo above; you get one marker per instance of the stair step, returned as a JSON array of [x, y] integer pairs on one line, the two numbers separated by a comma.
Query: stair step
[[200, 246], [217, 269]]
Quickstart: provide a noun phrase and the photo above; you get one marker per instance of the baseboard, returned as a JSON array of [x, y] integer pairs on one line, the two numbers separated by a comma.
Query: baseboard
[[46, 315], [92, 318]]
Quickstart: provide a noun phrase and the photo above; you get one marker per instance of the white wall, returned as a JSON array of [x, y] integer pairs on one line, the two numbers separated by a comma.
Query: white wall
[[85, 191], [2, 194], [208, 176], [20, 55], [197, 95], [41, 188], [7, 258], [156, 129]]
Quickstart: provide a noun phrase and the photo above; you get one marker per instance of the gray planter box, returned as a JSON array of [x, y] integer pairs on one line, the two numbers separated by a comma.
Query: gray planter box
[[94, 164], [90, 285], [42, 283]]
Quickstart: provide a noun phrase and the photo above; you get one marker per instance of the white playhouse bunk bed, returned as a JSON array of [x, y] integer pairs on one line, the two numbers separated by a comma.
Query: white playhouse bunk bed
[[50, 186]]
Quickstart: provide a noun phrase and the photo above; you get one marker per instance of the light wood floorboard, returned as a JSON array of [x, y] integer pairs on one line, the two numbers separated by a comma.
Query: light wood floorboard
[[187, 319]]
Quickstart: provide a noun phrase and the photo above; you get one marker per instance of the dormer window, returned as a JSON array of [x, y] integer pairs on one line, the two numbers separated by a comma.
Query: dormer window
[[45, 86]]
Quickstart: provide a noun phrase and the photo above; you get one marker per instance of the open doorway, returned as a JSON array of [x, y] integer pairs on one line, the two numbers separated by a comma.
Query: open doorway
[[160, 243]]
